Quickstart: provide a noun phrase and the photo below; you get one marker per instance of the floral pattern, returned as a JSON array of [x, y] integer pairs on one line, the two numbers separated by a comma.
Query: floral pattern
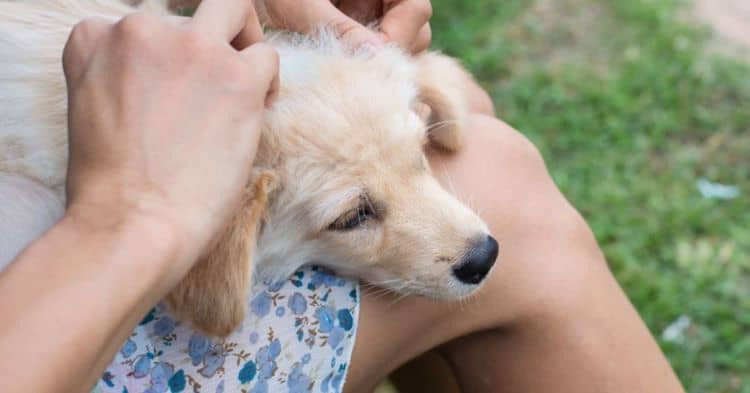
[[298, 337]]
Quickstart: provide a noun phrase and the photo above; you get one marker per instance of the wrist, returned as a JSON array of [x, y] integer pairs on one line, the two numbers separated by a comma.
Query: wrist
[[154, 245]]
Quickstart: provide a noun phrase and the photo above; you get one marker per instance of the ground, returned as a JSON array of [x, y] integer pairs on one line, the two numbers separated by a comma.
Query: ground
[[636, 105], [730, 19]]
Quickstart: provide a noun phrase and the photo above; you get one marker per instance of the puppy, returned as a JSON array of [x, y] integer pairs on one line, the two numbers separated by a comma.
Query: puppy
[[340, 179]]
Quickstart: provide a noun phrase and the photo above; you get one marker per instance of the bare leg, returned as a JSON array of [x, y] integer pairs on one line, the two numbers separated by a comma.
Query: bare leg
[[553, 317]]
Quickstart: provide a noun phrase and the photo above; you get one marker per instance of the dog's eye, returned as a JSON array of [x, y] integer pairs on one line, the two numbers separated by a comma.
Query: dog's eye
[[353, 218]]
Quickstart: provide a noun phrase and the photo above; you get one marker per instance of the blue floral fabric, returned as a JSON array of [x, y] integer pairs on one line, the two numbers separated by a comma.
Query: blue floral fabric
[[297, 337]]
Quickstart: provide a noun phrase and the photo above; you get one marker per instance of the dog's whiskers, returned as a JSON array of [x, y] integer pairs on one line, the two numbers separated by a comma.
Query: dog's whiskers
[[382, 289], [439, 124], [449, 180], [470, 202]]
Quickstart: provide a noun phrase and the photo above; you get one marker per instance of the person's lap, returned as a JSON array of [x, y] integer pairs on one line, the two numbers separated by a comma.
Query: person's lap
[[499, 174], [550, 316]]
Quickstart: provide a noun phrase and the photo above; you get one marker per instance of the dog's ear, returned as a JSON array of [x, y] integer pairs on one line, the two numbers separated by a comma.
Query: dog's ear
[[442, 86], [213, 295]]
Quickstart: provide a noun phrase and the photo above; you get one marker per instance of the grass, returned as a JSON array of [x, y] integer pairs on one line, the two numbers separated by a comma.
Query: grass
[[630, 108]]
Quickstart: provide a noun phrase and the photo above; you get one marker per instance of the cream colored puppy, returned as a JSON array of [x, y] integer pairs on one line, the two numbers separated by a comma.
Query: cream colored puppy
[[340, 179]]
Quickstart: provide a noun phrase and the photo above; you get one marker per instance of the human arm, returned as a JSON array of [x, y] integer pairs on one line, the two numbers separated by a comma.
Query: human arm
[[71, 298], [151, 124]]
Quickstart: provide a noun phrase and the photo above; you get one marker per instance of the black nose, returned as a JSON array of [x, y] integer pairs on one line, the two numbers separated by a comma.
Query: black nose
[[478, 262]]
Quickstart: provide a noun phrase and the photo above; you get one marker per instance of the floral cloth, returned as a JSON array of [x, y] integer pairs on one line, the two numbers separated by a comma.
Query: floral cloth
[[298, 337]]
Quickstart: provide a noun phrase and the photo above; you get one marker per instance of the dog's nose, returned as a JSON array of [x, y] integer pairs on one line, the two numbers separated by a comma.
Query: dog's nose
[[478, 262]]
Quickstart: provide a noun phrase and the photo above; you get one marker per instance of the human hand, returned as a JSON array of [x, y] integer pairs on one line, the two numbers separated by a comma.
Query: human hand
[[165, 130], [403, 22]]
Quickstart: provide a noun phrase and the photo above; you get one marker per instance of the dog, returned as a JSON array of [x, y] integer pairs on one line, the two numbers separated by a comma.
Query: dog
[[340, 180]]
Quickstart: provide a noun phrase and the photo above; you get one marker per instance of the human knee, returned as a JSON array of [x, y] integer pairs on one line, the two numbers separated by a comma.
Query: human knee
[[529, 198], [545, 280], [513, 185], [548, 255]]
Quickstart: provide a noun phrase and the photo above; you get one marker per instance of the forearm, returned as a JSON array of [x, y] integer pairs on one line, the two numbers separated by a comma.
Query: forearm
[[72, 298]]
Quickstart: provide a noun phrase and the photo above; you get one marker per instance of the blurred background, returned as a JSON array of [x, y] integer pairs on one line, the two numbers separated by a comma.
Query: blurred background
[[642, 111]]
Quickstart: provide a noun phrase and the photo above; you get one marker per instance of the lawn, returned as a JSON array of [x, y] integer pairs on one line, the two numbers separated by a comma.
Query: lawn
[[631, 107]]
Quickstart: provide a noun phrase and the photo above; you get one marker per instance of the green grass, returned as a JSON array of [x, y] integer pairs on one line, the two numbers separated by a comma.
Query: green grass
[[631, 108]]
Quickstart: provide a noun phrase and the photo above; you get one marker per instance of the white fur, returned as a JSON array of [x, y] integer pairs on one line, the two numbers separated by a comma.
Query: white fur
[[343, 124], [27, 209]]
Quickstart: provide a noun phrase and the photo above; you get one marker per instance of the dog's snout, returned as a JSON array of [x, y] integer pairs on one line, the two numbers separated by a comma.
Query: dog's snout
[[478, 262]]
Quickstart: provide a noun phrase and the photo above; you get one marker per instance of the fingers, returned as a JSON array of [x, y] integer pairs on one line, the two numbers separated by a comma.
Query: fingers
[[236, 21], [80, 46], [311, 15], [403, 20], [233, 20], [264, 61]]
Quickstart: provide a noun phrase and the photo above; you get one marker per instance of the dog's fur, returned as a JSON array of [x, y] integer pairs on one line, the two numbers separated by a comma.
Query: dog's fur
[[343, 138]]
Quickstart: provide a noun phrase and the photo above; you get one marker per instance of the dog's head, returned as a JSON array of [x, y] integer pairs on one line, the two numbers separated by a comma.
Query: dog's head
[[345, 143]]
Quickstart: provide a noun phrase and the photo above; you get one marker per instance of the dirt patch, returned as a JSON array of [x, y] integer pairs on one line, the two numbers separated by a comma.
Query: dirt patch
[[730, 19]]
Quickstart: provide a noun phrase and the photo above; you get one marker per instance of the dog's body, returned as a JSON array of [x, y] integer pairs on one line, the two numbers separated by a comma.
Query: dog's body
[[340, 178]]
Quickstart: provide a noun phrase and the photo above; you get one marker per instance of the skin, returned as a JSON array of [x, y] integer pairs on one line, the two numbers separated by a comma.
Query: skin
[[402, 22], [143, 203], [549, 318]]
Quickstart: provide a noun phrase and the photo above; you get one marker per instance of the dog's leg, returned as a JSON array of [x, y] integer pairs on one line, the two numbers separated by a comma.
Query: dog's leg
[[213, 295], [27, 209]]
